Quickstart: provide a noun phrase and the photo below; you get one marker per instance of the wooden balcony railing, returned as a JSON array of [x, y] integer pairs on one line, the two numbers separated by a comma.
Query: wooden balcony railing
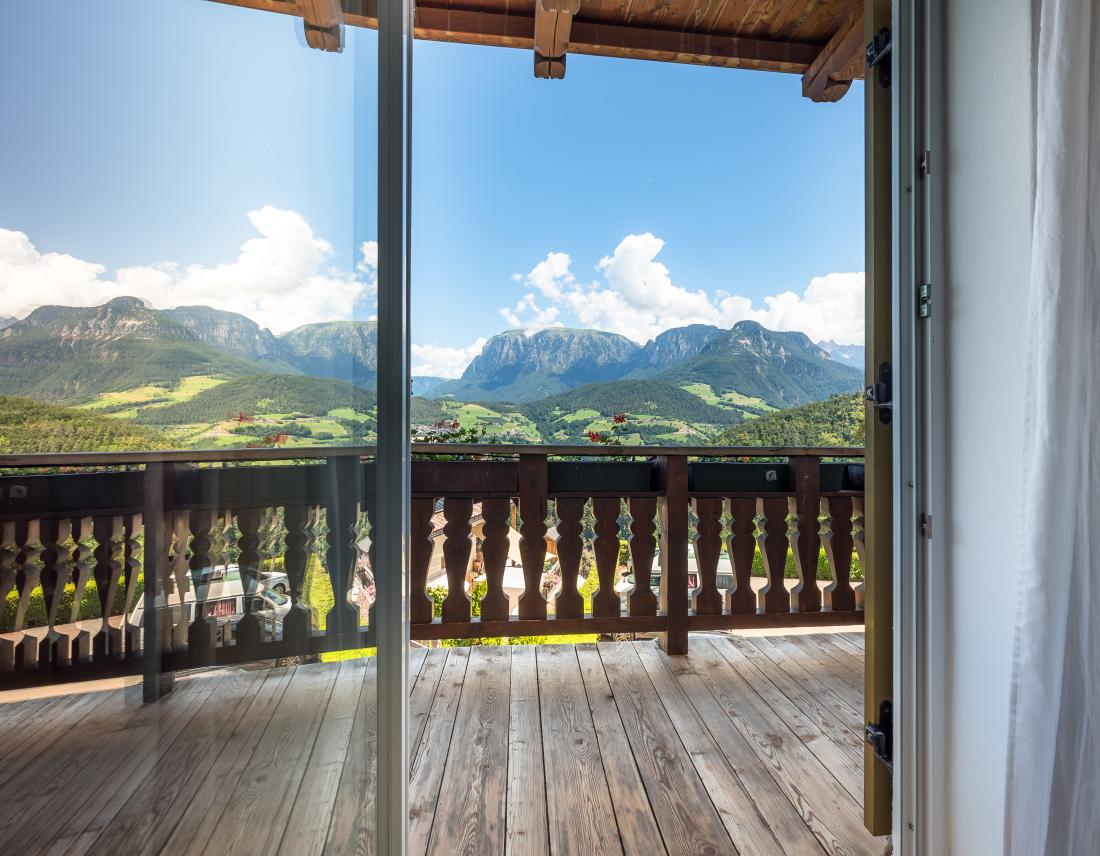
[[161, 519]]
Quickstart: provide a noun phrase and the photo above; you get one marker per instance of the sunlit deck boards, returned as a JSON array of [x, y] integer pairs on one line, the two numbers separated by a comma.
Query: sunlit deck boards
[[748, 745]]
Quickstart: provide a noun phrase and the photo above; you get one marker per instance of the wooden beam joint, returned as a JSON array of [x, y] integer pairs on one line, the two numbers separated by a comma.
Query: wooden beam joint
[[553, 21], [840, 61], [323, 23]]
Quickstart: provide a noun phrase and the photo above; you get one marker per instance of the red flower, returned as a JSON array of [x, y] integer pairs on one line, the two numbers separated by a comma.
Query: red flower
[[619, 418], [594, 436]]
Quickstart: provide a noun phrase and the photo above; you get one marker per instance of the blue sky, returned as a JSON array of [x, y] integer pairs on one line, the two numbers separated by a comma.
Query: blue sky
[[148, 142]]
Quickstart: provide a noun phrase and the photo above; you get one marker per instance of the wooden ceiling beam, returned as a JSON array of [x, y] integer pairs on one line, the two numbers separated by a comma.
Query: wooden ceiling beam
[[840, 61], [323, 21], [442, 24], [629, 42], [553, 21]]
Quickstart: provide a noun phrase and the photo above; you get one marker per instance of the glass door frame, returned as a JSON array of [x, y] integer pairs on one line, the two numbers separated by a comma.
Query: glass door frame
[[393, 468]]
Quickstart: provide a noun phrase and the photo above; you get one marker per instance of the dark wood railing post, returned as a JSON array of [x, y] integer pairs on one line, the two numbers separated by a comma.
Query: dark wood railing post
[[156, 484], [805, 506], [672, 509], [533, 492]]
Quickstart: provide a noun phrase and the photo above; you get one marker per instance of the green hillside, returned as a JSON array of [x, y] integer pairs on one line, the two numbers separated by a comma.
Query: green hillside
[[30, 427], [837, 421], [657, 413], [281, 394]]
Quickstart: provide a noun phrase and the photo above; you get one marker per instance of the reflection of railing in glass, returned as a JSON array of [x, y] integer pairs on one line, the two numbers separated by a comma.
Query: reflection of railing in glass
[[516, 527]]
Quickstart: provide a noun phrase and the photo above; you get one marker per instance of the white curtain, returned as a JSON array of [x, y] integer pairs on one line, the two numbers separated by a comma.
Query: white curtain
[[1053, 796]]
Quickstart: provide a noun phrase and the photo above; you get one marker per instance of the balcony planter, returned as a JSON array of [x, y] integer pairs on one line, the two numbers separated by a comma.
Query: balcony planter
[[589, 477], [723, 477], [837, 477]]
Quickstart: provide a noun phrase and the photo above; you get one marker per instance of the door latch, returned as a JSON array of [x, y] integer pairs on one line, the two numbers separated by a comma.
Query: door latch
[[880, 735], [880, 394], [877, 55]]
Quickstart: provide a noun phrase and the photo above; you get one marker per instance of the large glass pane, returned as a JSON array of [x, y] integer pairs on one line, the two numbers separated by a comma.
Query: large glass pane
[[188, 413]]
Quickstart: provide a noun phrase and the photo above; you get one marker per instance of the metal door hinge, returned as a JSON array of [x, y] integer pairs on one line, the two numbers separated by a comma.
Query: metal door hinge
[[925, 163], [880, 735], [877, 55], [880, 394], [924, 300], [926, 525]]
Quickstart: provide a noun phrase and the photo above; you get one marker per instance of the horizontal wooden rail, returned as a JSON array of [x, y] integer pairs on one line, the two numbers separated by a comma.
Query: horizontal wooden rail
[[501, 546], [293, 453]]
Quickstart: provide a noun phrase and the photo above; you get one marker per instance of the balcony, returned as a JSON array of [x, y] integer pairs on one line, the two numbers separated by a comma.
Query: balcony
[[750, 740]]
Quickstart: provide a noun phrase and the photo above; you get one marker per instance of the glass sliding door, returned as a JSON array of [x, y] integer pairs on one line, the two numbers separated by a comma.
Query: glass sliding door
[[203, 428]]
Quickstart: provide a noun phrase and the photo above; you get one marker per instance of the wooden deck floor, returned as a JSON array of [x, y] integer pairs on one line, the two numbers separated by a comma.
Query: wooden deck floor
[[747, 745]]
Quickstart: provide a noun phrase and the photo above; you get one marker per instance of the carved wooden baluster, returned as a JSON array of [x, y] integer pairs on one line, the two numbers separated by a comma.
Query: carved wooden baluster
[[533, 490], [372, 575], [707, 600], [202, 636], [420, 557], [250, 629], [741, 547], [772, 539], [569, 602], [28, 576], [108, 532], [54, 577], [836, 536], [131, 570], [456, 556], [858, 539], [176, 583], [805, 539], [606, 602], [342, 513], [8, 573], [80, 645], [642, 600], [296, 623], [494, 606]]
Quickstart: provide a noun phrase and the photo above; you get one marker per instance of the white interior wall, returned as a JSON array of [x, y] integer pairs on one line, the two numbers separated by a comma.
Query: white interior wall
[[988, 186]]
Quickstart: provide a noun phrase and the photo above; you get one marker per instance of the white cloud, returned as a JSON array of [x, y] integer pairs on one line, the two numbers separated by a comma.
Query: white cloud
[[280, 279], [638, 299], [441, 361]]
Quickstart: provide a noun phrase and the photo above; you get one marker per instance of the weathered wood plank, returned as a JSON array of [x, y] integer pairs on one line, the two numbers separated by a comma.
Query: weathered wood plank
[[469, 818], [167, 781], [351, 827], [732, 799], [637, 826], [821, 720], [527, 828], [579, 808], [782, 817], [430, 757], [32, 816], [311, 810], [844, 767], [820, 685], [258, 807], [197, 823], [842, 640], [846, 684], [825, 805], [688, 821]]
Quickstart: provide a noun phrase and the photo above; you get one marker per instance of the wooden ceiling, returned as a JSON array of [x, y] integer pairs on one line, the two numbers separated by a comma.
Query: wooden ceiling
[[822, 40]]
